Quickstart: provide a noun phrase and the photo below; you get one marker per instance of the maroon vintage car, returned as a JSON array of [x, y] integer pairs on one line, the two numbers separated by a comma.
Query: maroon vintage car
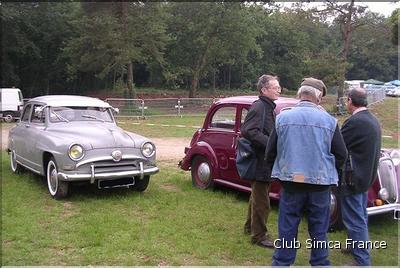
[[211, 158]]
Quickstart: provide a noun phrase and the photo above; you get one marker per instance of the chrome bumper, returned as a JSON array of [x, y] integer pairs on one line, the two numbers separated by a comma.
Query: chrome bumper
[[383, 209], [108, 175]]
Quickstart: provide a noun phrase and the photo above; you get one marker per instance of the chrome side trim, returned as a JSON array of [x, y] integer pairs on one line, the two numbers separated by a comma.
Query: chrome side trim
[[382, 209], [108, 175], [31, 169], [27, 160], [105, 158]]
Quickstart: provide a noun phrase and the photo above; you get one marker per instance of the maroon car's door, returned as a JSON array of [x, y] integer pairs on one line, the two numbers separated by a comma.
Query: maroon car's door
[[221, 135]]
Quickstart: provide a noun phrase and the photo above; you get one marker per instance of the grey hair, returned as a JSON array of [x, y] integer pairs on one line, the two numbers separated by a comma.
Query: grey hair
[[264, 80], [309, 91]]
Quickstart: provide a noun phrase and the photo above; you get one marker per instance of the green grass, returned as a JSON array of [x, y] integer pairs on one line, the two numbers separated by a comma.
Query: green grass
[[171, 223]]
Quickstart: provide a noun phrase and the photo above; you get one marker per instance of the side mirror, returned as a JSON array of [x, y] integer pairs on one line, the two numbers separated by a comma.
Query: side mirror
[[115, 110]]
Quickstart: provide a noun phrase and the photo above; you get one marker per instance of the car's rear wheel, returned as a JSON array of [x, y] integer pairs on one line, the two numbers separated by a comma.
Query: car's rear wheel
[[58, 189], [336, 222], [8, 117], [201, 173], [140, 184], [15, 167]]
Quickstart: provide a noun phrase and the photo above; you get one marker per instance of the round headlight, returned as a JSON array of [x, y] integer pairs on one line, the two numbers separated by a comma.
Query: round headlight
[[383, 194], [148, 149], [75, 152]]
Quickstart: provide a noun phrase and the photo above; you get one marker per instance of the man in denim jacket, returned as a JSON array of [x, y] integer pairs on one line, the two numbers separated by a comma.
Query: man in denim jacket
[[306, 149]]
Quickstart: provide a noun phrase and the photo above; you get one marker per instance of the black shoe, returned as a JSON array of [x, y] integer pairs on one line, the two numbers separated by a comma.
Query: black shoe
[[266, 243]]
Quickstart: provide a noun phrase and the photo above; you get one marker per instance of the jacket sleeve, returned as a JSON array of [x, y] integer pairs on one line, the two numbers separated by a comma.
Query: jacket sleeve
[[251, 128], [338, 149]]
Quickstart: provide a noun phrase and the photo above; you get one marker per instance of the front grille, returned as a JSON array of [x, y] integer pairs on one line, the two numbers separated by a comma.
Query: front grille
[[110, 166], [387, 178]]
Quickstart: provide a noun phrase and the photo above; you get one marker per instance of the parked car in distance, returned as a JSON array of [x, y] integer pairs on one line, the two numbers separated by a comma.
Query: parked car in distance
[[71, 139], [11, 104], [211, 158], [393, 92]]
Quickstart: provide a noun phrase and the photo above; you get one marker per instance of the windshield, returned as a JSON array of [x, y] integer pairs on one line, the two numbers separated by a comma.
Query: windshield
[[68, 114]]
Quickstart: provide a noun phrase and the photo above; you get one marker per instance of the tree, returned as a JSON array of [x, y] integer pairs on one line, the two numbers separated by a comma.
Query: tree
[[206, 34], [349, 17], [111, 36], [394, 19]]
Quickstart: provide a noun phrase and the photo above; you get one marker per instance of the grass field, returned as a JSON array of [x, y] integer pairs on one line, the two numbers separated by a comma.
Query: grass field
[[171, 223]]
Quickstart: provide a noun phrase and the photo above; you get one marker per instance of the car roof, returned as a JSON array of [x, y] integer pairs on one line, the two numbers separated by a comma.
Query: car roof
[[251, 99], [70, 100]]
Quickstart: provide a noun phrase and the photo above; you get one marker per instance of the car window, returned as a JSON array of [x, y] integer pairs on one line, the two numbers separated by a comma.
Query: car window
[[243, 115], [26, 113], [224, 118], [38, 114], [72, 113]]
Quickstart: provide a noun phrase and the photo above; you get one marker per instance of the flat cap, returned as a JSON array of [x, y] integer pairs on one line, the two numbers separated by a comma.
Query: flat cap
[[315, 83]]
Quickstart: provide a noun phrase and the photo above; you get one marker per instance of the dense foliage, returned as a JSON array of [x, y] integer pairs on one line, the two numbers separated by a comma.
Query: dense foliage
[[71, 47]]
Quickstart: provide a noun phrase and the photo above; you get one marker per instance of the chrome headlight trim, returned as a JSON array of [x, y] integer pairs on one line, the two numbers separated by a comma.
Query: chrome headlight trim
[[383, 194], [148, 149], [76, 152]]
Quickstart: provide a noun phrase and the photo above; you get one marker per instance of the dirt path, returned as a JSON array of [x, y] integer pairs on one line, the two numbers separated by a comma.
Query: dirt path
[[167, 148]]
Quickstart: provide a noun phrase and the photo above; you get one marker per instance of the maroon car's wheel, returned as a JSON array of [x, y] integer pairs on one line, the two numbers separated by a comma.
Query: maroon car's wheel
[[201, 173], [335, 211]]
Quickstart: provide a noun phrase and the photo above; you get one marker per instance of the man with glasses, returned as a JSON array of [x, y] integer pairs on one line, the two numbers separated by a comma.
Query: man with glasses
[[362, 135], [257, 132]]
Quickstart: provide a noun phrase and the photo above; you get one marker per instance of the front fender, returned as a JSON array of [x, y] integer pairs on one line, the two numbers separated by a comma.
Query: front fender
[[200, 148]]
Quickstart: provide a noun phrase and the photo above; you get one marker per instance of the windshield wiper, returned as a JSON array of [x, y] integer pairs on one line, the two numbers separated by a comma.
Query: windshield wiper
[[60, 117], [92, 117]]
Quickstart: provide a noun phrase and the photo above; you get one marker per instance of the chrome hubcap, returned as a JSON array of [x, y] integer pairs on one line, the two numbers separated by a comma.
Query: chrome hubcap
[[204, 172], [53, 180], [13, 161]]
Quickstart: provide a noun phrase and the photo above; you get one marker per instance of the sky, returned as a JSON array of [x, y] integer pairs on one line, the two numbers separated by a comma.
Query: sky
[[385, 8]]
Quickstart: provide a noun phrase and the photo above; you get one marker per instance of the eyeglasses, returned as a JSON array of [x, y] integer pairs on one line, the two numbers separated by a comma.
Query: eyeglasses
[[276, 88]]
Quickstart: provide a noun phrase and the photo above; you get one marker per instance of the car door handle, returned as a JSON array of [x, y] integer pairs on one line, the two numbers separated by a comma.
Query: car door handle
[[27, 126]]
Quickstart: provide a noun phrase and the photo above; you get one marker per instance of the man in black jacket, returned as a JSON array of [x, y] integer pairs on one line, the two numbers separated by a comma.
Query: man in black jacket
[[259, 205], [362, 135]]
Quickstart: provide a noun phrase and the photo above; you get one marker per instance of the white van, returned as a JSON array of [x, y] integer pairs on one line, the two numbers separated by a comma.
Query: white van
[[11, 103]]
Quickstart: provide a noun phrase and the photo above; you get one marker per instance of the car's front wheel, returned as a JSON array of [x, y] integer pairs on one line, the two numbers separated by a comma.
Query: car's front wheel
[[201, 173], [140, 184], [58, 189], [15, 167]]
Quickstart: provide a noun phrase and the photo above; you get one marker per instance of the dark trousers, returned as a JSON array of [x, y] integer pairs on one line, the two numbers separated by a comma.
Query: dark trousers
[[291, 207], [355, 218], [258, 211]]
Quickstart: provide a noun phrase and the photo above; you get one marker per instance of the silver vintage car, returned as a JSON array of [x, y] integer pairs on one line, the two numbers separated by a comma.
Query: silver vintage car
[[74, 138]]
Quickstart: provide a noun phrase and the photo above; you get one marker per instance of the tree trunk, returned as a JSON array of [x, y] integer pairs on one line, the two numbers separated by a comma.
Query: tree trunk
[[214, 78], [229, 76], [194, 84], [129, 81]]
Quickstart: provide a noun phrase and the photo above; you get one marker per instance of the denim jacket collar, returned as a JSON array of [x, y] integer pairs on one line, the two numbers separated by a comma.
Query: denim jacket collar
[[304, 103]]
